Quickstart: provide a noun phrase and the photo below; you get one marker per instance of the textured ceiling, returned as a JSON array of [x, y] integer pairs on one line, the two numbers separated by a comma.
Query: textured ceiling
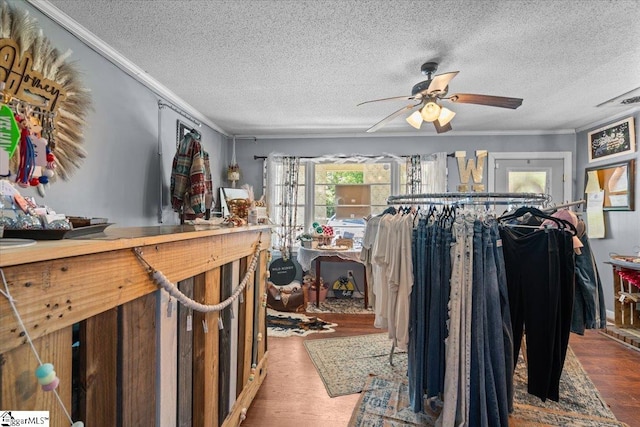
[[274, 67]]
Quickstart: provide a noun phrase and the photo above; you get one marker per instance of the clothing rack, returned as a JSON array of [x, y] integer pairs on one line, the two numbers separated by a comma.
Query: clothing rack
[[564, 205], [471, 198]]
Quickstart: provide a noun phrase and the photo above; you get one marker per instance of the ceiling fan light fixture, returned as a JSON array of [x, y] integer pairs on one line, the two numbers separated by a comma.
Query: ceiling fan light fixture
[[415, 119], [445, 116], [430, 112]]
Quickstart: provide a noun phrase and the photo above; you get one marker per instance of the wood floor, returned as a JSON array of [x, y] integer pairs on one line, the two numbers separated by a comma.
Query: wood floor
[[293, 394]]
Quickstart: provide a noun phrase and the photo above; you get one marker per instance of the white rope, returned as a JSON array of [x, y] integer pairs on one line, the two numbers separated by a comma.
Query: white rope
[[173, 290]]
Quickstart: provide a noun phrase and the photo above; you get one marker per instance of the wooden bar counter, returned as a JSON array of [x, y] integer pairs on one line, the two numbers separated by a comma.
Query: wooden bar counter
[[125, 351]]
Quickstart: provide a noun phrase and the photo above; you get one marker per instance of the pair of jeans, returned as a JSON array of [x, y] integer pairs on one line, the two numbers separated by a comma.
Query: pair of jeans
[[457, 343], [507, 332], [539, 267], [438, 302], [417, 319], [494, 344], [478, 399], [589, 311]]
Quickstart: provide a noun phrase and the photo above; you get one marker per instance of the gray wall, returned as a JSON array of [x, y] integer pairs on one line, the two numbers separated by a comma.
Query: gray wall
[[122, 175], [373, 145], [622, 227]]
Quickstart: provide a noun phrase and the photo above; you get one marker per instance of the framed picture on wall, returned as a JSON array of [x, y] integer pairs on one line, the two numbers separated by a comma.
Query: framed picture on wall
[[612, 140], [617, 181], [182, 129]]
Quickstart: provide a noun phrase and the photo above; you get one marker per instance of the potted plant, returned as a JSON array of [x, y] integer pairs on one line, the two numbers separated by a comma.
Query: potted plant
[[305, 240]]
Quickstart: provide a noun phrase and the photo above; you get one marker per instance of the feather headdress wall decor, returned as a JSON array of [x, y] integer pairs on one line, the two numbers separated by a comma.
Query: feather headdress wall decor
[[40, 83]]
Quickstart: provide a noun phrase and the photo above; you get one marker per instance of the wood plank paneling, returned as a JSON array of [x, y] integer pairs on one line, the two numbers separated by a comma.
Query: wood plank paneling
[[262, 306], [98, 367], [249, 301], [242, 327], [137, 362], [224, 349], [20, 389], [167, 366], [185, 357], [205, 351], [233, 361], [73, 289], [125, 348]]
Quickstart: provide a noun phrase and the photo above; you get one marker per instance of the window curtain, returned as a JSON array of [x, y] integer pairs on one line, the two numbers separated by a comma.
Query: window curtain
[[427, 173], [282, 198]]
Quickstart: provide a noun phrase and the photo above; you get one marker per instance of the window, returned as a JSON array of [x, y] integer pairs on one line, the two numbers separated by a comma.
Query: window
[[345, 193], [289, 222], [341, 192]]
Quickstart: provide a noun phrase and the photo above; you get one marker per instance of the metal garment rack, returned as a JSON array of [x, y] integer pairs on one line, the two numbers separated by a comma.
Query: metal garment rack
[[468, 198], [471, 198]]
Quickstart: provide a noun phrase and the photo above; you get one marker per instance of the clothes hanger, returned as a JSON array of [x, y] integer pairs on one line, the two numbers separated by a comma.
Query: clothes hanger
[[562, 224]]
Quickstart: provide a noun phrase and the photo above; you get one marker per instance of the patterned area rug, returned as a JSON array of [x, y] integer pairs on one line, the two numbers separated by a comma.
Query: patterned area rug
[[295, 324], [346, 363], [385, 403], [339, 305]]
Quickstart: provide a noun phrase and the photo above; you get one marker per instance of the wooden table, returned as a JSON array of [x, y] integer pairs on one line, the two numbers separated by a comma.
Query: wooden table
[[307, 256], [626, 295]]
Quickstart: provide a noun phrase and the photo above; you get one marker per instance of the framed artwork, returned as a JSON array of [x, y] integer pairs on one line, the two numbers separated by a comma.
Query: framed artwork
[[182, 130], [616, 181], [612, 140]]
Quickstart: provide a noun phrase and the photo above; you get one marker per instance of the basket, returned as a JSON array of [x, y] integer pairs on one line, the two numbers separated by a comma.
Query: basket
[[239, 207], [345, 242], [322, 239]]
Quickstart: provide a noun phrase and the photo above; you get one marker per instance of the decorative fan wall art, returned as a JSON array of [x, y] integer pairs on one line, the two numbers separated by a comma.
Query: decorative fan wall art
[[40, 85]]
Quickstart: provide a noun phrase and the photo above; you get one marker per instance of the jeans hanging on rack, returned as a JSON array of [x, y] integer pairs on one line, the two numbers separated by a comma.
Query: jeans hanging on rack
[[458, 342], [589, 311], [418, 318], [439, 286], [507, 332]]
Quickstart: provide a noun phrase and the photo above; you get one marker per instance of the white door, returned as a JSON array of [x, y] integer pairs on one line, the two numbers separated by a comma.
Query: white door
[[546, 172]]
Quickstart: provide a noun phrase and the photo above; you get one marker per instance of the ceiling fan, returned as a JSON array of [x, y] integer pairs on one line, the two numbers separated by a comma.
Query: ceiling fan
[[427, 96]]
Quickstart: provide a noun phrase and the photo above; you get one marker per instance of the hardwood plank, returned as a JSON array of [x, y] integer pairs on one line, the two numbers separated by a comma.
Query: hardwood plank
[[205, 351], [233, 354], [613, 367], [69, 293], [167, 348], [249, 303], [137, 362], [185, 357], [224, 348], [20, 389], [242, 328], [261, 281], [98, 367], [127, 238]]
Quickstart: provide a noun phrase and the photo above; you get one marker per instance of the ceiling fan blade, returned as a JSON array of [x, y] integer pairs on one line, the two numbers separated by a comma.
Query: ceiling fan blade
[[441, 81], [393, 98], [442, 129], [493, 101], [391, 117]]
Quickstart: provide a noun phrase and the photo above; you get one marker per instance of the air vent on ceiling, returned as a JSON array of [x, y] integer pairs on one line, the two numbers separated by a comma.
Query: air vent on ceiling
[[626, 99]]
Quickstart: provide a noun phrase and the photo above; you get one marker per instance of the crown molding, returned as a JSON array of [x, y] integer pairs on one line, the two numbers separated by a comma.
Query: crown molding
[[119, 60], [409, 134], [611, 119]]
